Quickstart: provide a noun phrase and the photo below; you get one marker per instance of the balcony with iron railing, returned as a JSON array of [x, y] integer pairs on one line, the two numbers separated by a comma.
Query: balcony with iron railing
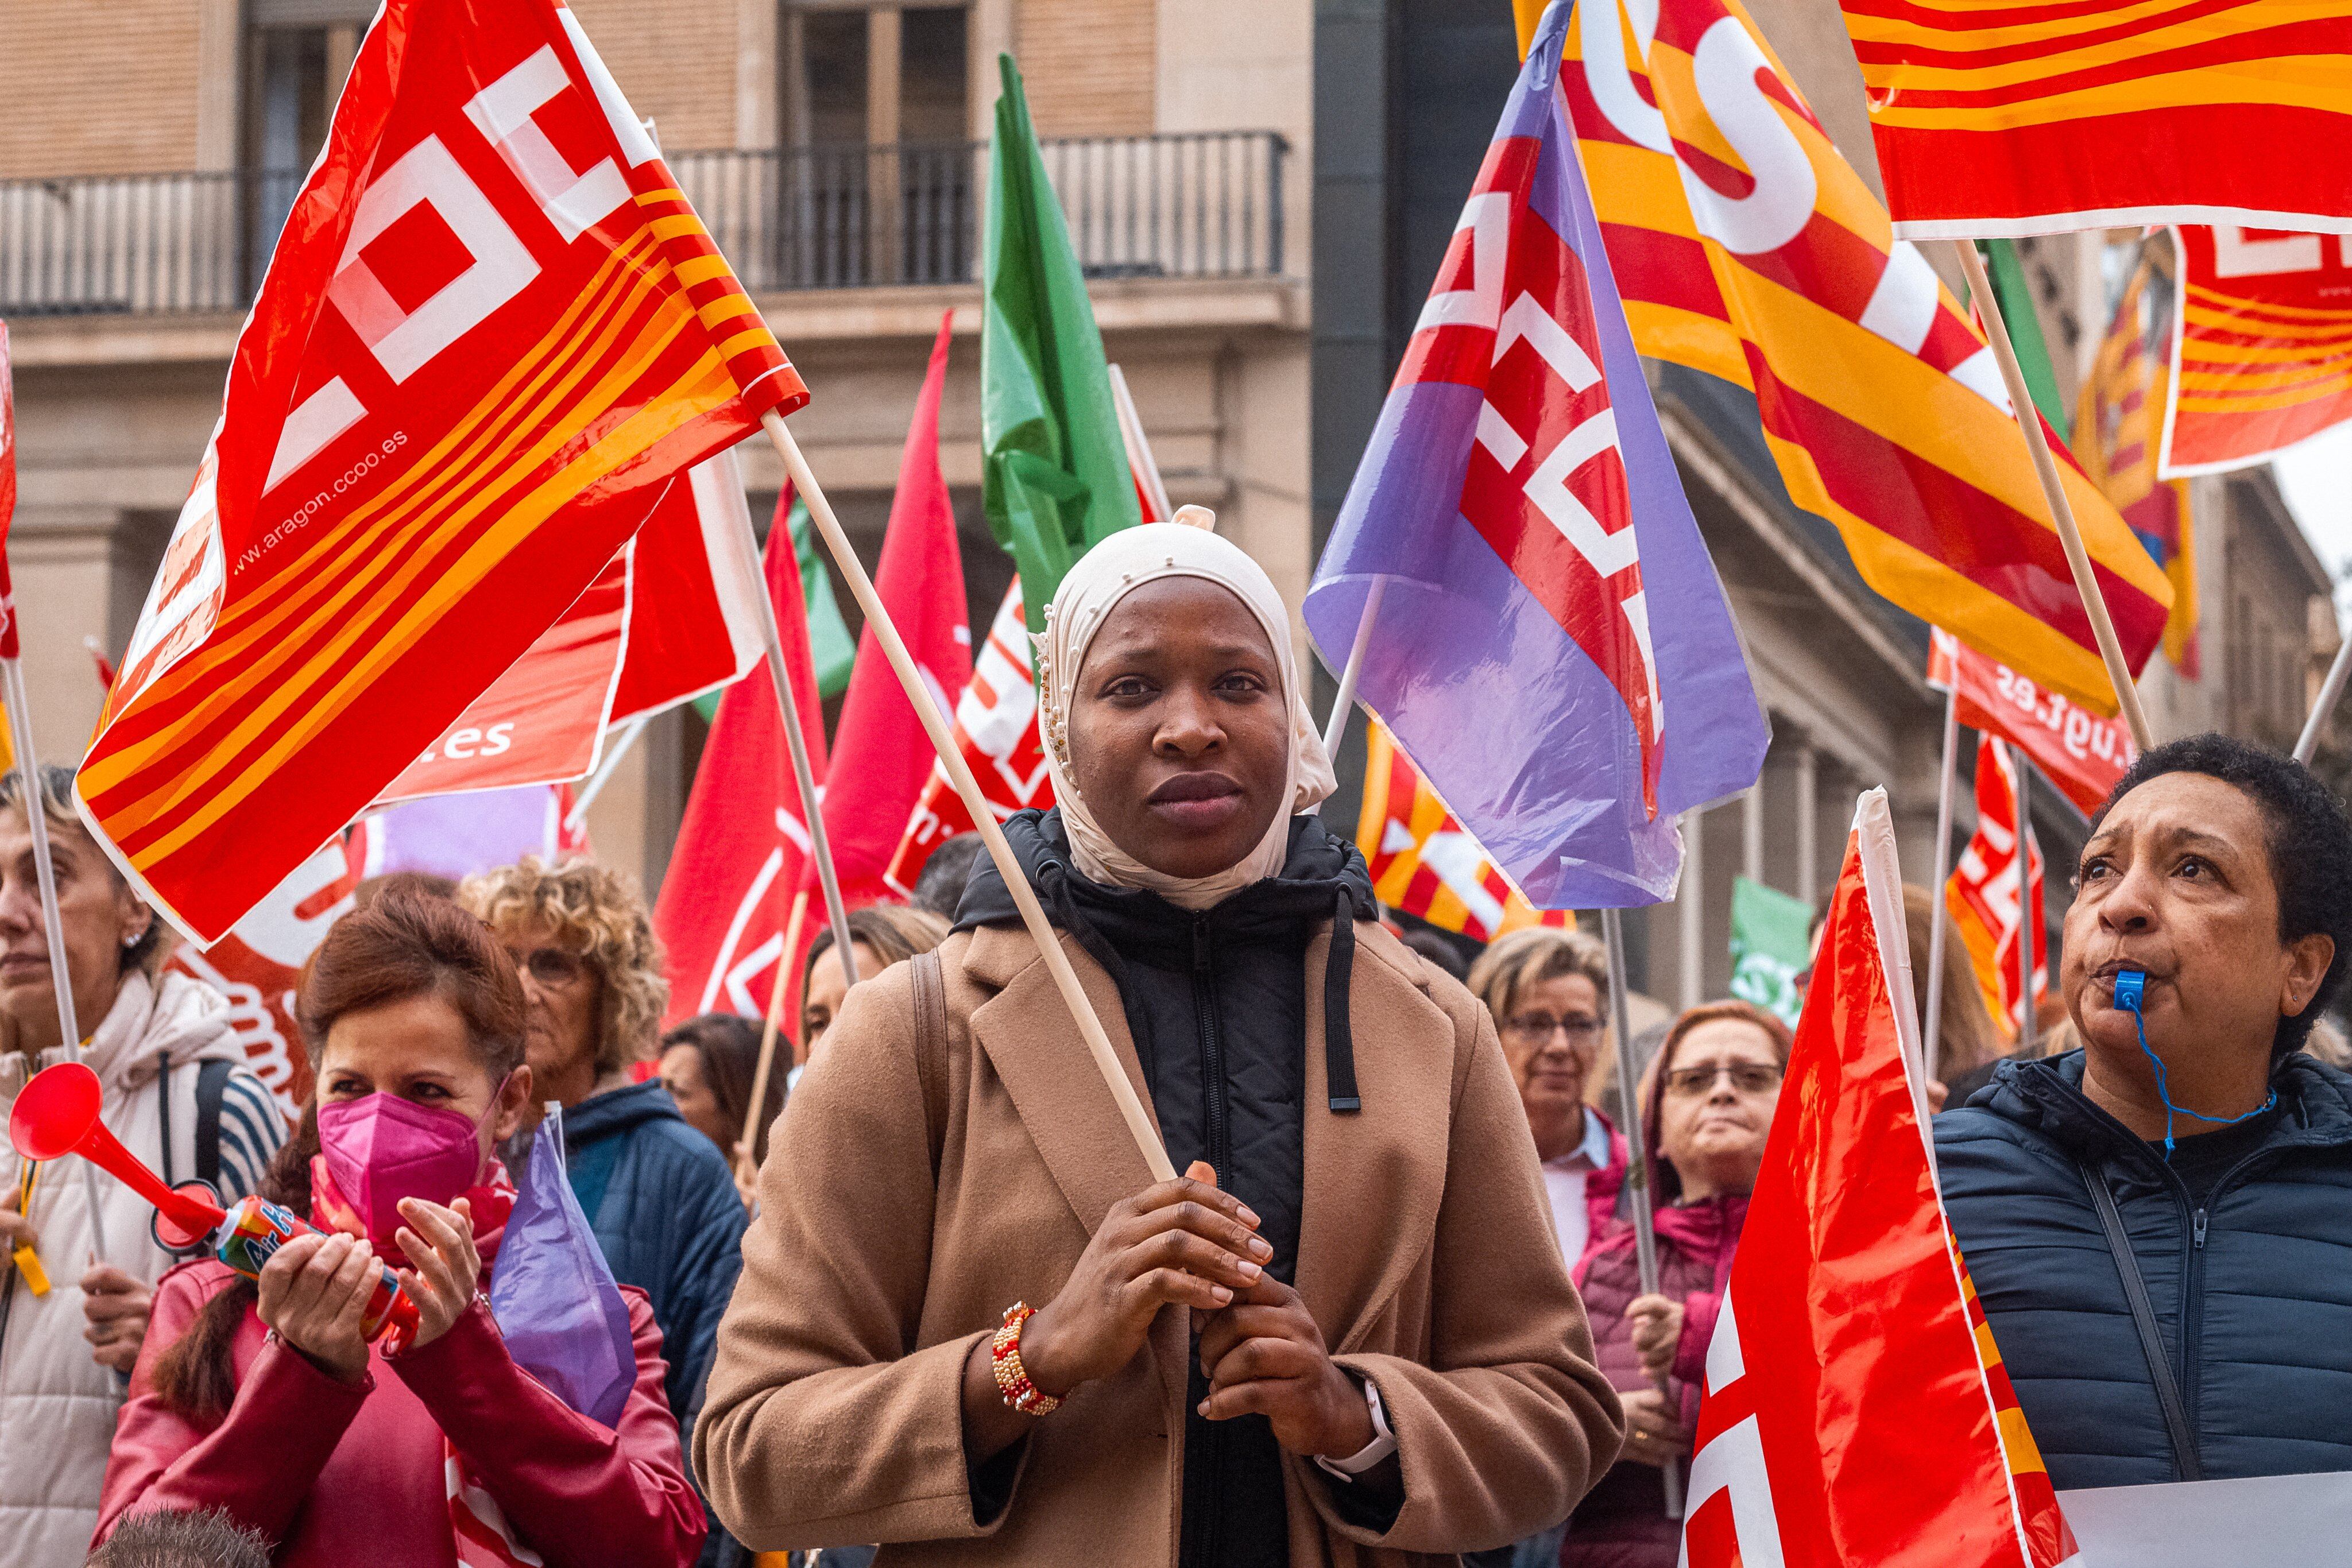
[[1202, 205]]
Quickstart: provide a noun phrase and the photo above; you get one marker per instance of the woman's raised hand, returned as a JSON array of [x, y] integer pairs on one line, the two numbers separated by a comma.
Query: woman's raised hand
[[314, 1291], [440, 1242], [1181, 1242]]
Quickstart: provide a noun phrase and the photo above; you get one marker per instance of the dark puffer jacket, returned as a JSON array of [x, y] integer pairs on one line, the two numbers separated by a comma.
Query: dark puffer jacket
[[664, 1209], [2252, 1292], [1217, 1004]]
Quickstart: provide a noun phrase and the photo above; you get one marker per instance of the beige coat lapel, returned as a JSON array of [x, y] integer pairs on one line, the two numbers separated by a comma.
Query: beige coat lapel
[[1375, 1178], [1065, 1106]]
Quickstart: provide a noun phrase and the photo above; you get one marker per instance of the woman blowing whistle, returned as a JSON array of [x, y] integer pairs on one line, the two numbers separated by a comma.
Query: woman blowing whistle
[[1346, 1335]]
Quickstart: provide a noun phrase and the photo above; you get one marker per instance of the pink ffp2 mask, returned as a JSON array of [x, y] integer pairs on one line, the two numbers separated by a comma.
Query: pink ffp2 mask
[[381, 1148]]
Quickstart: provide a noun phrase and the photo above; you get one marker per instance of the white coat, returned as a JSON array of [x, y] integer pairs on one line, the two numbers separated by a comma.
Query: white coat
[[57, 1403]]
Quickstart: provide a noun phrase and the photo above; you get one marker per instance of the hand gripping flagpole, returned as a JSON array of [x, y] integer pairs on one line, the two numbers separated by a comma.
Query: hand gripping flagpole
[[967, 789], [1937, 923], [29, 773], [1637, 1155], [2053, 490]]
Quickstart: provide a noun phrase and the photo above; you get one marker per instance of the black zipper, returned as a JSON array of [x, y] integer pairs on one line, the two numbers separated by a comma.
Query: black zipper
[[2192, 1287], [1209, 1550]]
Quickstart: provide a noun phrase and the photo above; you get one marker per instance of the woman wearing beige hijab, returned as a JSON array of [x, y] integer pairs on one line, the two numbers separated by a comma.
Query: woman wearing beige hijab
[[1344, 1336]]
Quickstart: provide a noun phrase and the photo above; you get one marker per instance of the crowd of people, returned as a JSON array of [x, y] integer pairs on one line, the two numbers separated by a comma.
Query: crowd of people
[[926, 1293]]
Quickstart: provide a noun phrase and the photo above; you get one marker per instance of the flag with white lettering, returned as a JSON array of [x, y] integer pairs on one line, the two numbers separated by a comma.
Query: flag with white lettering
[[490, 332], [1549, 642]]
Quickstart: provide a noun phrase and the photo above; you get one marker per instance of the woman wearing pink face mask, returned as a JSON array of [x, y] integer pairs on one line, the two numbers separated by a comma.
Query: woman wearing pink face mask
[[261, 1399]]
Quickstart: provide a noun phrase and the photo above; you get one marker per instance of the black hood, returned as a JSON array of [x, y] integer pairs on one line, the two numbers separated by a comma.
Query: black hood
[[1323, 878]]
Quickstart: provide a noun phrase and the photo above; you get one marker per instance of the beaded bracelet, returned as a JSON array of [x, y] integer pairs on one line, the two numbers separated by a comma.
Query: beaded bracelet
[[1012, 1377]]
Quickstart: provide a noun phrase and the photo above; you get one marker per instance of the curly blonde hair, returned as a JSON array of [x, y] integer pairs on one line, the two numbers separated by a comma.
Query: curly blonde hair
[[600, 915]]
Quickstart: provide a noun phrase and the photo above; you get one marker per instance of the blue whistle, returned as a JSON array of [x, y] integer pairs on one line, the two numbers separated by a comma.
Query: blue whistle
[[2130, 985]]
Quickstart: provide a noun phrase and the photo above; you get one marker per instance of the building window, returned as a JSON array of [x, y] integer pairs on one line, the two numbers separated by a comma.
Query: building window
[[877, 166], [296, 55]]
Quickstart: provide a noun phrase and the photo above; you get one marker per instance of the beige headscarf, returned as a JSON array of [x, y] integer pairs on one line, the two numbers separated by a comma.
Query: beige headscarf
[[1102, 577]]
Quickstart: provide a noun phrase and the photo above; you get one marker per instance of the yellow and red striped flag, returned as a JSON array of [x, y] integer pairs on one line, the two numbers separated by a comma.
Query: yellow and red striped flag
[[2261, 349], [1994, 117], [491, 333], [1746, 247], [2116, 427], [1424, 863]]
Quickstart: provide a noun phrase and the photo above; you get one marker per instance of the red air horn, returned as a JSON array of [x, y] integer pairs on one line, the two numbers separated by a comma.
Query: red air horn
[[58, 1115]]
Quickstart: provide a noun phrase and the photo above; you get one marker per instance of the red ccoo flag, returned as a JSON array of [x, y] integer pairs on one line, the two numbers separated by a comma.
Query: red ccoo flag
[[881, 754], [1856, 1411], [743, 844], [492, 331]]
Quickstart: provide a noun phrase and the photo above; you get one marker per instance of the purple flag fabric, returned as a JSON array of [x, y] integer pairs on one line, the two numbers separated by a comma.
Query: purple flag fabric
[[552, 1294], [457, 835], [1549, 644]]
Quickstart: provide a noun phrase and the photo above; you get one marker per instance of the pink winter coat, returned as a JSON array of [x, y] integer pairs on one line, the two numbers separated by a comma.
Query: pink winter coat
[[335, 1474]]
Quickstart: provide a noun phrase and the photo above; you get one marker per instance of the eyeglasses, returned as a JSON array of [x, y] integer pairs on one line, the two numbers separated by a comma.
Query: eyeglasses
[[1748, 1077], [551, 965], [1534, 1029]]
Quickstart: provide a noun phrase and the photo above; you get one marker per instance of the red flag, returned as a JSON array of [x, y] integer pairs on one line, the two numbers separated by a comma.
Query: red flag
[[997, 729], [490, 332], [881, 752], [7, 496], [2262, 346], [1983, 892], [743, 844], [1855, 1412], [2081, 752]]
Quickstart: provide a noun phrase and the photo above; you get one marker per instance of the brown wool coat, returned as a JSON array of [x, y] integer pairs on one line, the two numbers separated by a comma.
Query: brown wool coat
[[1425, 1253]]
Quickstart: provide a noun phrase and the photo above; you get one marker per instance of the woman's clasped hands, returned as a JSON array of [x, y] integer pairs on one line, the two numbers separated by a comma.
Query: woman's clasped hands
[[315, 1291]]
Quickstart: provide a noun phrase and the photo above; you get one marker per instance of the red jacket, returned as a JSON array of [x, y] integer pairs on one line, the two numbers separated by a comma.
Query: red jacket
[[334, 1473]]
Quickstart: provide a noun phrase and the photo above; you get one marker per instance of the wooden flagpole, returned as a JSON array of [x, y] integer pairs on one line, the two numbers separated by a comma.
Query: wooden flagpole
[[36, 818], [1939, 925], [1637, 1158], [2053, 490], [967, 787], [770, 1031]]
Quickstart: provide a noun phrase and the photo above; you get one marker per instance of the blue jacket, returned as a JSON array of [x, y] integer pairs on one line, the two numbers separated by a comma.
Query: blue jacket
[[2251, 1294], [664, 1209]]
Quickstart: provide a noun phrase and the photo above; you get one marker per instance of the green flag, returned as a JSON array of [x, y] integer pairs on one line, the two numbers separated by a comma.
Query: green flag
[[830, 647], [2016, 297], [1770, 946], [1054, 470]]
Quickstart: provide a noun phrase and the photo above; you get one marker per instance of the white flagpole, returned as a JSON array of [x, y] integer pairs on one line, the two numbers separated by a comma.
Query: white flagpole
[[958, 771], [615, 750], [1637, 1160], [29, 773], [2332, 689], [2023, 772], [768, 1030], [1336, 724], [1937, 923], [1138, 446], [2045, 468], [796, 743]]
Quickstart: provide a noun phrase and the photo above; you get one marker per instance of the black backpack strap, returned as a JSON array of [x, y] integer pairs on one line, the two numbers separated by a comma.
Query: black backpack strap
[[164, 1104], [212, 1088], [2186, 1464], [931, 1047]]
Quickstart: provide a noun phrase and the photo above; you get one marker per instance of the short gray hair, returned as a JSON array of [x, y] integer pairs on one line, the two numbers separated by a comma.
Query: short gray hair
[[147, 954], [1527, 958]]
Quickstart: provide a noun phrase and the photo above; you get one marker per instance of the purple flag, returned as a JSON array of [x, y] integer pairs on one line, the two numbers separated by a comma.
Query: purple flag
[[1550, 644], [553, 1295]]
